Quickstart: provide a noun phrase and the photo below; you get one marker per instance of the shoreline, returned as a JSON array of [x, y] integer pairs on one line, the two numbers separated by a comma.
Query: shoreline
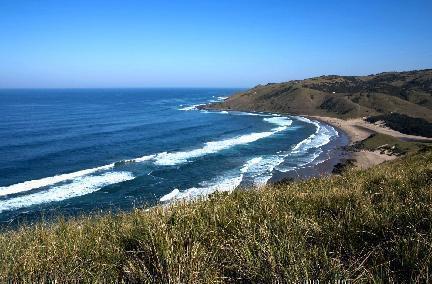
[[336, 150], [334, 153], [356, 130]]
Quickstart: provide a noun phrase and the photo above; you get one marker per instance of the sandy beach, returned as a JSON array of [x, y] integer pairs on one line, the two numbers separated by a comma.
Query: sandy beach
[[358, 129]]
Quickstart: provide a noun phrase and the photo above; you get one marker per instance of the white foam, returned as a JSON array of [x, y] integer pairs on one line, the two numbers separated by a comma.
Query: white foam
[[223, 184], [217, 185], [32, 184], [309, 149], [278, 120], [260, 170], [163, 158], [192, 107], [317, 140], [222, 98], [79, 187], [321, 137], [250, 163], [304, 119], [175, 158], [170, 195], [220, 184], [250, 113], [209, 148], [143, 158]]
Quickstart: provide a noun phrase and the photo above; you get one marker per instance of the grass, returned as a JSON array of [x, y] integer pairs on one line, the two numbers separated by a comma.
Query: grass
[[366, 226]]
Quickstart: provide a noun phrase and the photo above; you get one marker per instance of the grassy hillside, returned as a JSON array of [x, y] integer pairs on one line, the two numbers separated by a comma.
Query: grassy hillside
[[408, 93], [373, 225]]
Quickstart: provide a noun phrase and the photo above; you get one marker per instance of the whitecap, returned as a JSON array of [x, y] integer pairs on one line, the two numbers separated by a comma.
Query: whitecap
[[321, 137], [32, 184], [79, 187], [207, 188], [262, 171], [175, 158], [260, 167], [309, 149], [144, 158], [250, 113], [278, 120], [170, 195], [222, 98], [163, 158], [250, 163], [192, 107], [209, 148]]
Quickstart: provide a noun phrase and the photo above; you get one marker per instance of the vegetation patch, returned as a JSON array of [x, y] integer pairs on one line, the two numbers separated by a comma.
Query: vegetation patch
[[404, 124], [390, 145]]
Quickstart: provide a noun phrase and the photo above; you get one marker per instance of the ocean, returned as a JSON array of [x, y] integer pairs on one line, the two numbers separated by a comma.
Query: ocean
[[75, 151]]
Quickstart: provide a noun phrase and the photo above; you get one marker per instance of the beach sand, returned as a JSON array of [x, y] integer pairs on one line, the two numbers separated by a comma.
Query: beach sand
[[358, 130]]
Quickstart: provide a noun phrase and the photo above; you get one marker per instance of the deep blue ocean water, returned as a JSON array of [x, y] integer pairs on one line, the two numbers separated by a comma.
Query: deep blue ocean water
[[81, 150]]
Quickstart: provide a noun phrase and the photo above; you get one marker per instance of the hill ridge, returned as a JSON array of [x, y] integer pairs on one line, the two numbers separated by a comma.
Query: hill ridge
[[408, 93]]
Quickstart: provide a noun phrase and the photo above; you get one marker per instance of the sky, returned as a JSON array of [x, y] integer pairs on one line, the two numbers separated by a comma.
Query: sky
[[220, 43]]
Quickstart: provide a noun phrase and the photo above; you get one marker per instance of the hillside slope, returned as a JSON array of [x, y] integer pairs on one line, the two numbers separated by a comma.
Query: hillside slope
[[369, 226], [407, 93]]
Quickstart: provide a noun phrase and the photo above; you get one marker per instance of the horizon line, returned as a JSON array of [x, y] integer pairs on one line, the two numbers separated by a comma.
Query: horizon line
[[148, 87]]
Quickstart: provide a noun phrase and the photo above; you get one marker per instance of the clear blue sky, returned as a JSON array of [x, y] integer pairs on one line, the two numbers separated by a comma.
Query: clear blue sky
[[220, 43]]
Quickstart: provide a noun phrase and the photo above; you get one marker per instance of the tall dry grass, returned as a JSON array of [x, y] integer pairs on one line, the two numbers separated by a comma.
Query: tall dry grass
[[367, 226]]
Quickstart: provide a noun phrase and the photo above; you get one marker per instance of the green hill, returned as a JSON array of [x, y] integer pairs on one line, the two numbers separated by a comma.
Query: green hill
[[407, 93], [369, 226]]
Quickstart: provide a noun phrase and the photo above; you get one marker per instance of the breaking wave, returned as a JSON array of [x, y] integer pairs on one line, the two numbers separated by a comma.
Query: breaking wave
[[261, 172], [321, 137], [192, 107], [309, 149], [175, 158], [163, 158], [258, 170], [79, 187], [221, 184], [32, 184]]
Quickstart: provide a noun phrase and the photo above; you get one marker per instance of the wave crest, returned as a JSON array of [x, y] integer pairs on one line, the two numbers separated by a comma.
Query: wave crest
[[32, 184], [79, 187]]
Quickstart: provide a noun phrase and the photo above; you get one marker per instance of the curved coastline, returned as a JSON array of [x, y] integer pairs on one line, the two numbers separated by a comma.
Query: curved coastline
[[334, 153], [318, 163]]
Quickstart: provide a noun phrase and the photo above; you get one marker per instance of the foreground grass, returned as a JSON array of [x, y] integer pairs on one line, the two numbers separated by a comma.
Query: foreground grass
[[373, 225]]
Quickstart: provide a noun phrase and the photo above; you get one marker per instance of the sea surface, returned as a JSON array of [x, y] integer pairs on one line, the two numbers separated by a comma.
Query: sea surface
[[74, 151]]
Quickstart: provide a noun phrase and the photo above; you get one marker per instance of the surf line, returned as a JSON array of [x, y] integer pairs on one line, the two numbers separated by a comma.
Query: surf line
[[161, 159]]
